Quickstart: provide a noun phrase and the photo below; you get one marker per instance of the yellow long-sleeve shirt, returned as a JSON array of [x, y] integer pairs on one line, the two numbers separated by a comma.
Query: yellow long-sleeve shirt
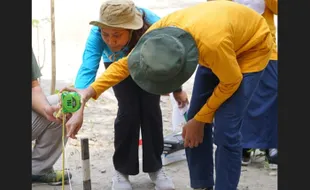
[[231, 40], [271, 10]]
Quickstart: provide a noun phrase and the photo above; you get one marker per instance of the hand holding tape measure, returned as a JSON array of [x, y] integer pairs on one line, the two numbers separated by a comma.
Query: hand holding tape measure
[[72, 101]]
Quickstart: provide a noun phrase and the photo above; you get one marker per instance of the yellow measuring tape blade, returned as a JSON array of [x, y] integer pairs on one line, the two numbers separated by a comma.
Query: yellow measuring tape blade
[[63, 151], [60, 111]]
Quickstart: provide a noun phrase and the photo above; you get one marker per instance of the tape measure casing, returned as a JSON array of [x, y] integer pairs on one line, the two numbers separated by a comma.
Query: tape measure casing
[[71, 102]]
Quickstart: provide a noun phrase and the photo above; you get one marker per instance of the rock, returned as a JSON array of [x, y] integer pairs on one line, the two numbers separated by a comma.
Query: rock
[[103, 171]]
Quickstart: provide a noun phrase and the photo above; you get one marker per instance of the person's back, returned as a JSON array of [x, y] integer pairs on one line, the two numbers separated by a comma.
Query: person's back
[[267, 8], [216, 21]]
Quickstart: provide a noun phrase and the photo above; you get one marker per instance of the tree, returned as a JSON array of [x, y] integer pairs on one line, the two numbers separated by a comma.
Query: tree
[[53, 44]]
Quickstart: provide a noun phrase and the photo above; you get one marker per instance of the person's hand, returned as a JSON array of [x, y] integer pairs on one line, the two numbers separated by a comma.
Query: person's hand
[[49, 113], [83, 93], [193, 132], [181, 98], [74, 124]]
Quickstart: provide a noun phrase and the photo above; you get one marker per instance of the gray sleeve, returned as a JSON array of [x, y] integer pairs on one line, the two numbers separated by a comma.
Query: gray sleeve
[[36, 73]]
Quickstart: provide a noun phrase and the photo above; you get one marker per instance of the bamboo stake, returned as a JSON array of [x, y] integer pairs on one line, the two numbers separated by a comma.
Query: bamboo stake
[[53, 44]]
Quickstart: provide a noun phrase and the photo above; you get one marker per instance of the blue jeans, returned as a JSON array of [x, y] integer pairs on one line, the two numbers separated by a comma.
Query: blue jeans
[[227, 125]]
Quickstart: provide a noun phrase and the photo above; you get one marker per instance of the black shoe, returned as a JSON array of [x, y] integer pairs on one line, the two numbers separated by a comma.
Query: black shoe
[[272, 156], [271, 159], [51, 178], [246, 156]]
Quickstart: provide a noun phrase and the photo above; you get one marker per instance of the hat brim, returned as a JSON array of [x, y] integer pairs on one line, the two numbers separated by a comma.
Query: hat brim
[[164, 87], [136, 24]]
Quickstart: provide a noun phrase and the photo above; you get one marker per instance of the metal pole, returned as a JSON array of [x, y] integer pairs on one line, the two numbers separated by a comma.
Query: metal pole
[[85, 164]]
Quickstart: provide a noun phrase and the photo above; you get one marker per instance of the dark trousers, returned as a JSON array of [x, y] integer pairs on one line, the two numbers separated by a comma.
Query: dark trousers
[[227, 136], [260, 123], [137, 108]]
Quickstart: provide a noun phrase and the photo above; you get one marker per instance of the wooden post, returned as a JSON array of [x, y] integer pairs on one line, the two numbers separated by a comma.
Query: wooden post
[[53, 46], [85, 164]]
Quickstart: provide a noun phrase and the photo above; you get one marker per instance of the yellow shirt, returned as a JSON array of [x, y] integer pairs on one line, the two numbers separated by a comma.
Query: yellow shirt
[[271, 10], [230, 43]]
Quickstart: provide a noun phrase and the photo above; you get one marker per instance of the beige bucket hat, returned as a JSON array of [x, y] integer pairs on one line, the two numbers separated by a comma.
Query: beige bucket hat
[[119, 14]]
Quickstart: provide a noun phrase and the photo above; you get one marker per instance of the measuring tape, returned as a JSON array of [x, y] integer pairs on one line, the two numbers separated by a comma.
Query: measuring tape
[[71, 102]]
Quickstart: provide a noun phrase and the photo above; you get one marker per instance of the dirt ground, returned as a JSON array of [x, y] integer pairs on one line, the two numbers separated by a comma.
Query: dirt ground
[[71, 33], [98, 127]]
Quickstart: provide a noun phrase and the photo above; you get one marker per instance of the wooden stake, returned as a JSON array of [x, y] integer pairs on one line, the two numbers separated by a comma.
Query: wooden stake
[[85, 164], [53, 44]]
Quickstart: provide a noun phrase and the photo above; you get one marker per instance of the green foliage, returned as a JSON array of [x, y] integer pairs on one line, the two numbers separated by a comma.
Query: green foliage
[[37, 22]]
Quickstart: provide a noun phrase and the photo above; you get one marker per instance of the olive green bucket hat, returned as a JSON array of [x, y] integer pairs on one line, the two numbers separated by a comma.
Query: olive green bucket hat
[[163, 59]]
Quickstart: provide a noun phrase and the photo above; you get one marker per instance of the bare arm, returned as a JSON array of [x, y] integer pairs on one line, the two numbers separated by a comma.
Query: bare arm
[[40, 103]]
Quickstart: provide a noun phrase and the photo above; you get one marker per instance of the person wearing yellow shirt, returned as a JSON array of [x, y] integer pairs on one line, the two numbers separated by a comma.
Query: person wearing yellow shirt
[[260, 125], [233, 46]]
